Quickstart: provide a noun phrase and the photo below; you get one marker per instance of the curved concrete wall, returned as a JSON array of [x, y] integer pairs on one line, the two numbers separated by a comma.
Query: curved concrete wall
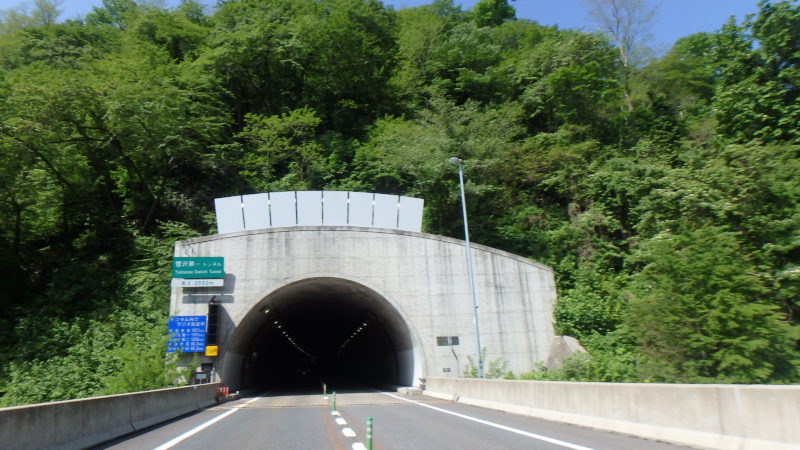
[[86, 422], [422, 276]]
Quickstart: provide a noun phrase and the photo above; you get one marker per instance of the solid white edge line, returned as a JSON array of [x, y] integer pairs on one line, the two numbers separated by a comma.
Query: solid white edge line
[[496, 425], [202, 426]]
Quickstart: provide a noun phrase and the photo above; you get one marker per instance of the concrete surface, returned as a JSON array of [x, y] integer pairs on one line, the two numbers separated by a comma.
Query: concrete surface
[[415, 284], [742, 417], [86, 422]]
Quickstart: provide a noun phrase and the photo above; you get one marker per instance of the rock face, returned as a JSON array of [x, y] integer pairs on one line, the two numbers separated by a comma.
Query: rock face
[[562, 348]]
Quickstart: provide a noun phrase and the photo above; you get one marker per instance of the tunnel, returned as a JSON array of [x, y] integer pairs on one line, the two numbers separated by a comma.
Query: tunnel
[[321, 330]]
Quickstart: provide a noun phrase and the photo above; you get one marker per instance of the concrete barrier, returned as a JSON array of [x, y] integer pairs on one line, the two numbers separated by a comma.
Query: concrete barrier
[[742, 417], [90, 421]]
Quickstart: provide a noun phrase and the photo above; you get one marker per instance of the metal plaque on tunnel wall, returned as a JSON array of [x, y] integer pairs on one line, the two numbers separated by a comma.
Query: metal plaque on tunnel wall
[[187, 334], [198, 267]]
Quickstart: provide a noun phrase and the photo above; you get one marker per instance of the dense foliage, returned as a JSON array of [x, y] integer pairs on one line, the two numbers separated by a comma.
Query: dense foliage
[[666, 195]]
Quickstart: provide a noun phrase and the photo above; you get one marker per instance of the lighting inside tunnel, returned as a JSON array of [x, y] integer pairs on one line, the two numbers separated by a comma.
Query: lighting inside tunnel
[[323, 330], [289, 338], [352, 336]]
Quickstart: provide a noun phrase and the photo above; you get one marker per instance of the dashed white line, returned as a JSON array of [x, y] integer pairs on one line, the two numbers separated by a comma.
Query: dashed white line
[[495, 425], [203, 426], [348, 432], [341, 421], [359, 446]]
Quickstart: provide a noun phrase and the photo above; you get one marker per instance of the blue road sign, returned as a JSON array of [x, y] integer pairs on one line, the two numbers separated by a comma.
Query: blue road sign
[[187, 334]]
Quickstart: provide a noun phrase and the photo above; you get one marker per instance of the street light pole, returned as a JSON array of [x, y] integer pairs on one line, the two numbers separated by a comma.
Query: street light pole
[[458, 161]]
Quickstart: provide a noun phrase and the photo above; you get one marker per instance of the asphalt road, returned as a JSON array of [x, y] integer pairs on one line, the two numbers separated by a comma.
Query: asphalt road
[[291, 421]]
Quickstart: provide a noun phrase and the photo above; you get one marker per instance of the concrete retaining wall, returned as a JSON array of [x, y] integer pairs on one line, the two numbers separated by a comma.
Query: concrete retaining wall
[[743, 417], [86, 422]]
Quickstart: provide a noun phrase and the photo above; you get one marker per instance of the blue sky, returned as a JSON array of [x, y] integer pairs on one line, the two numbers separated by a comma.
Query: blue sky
[[674, 18]]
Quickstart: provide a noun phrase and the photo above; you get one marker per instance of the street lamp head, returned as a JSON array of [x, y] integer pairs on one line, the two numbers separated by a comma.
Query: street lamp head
[[455, 160]]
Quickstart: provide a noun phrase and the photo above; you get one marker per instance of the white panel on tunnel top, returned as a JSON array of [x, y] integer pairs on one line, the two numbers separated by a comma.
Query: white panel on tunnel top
[[385, 215], [410, 214], [309, 208], [360, 211], [334, 208], [315, 208], [229, 214], [282, 209], [256, 211]]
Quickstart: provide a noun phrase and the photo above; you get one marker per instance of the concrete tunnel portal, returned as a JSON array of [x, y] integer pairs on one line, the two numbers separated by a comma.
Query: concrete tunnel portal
[[340, 286], [323, 329]]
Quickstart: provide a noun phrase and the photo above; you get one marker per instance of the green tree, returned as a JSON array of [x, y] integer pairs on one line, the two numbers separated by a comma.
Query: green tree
[[488, 13], [335, 57], [180, 32], [700, 314], [626, 23], [568, 78], [759, 82], [684, 77], [280, 152], [410, 156], [142, 365], [114, 13], [421, 31]]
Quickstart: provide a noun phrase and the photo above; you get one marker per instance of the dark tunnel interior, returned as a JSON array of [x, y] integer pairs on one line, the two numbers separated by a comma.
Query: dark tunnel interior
[[325, 330]]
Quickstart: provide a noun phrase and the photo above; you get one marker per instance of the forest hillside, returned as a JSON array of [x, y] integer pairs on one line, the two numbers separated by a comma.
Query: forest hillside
[[664, 191]]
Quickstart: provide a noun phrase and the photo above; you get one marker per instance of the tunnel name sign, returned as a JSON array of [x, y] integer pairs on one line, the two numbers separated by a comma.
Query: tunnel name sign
[[200, 267], [198, 271]]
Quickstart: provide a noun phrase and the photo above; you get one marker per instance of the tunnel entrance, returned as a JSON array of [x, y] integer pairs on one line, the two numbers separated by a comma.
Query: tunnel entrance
[[319, 330]]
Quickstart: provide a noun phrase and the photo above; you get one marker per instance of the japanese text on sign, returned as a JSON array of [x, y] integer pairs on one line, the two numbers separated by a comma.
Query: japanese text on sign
[[187, 334], [200, 267]]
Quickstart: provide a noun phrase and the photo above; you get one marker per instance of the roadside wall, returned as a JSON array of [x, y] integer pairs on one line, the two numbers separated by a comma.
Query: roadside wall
[[743, 417], [86, 422]]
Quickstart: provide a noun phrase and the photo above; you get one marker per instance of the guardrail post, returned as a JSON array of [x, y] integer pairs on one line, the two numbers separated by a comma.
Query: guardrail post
[[369, 433]]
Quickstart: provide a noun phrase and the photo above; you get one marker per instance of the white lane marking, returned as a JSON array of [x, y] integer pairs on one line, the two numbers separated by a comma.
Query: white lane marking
[[336, 413], [359, 446], [348, 432], [202, 426], [496, 425], [341, 421]]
